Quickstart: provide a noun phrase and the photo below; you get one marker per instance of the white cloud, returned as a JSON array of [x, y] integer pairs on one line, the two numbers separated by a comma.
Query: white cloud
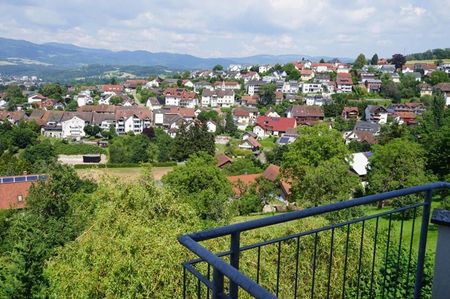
[[232, 28]]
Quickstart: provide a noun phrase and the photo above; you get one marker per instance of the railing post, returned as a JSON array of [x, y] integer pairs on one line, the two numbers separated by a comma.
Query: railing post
[[234, 261], [422, 243], [441, 286], [217, 290]]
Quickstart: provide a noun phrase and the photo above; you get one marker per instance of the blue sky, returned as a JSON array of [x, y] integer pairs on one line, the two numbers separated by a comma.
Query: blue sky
[[233, 28]]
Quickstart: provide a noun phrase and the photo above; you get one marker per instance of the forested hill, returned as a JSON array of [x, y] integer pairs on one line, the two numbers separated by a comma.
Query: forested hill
[[430, 54]]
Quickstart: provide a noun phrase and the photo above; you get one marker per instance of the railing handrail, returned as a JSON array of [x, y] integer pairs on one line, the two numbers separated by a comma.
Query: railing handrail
[[263, 222], [190, 241]]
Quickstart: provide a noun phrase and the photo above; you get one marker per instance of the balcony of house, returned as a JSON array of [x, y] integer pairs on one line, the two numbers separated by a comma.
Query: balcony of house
[[348, 249]]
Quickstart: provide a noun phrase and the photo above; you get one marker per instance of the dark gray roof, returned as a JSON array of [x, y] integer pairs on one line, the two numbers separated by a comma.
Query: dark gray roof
[[367, 126]]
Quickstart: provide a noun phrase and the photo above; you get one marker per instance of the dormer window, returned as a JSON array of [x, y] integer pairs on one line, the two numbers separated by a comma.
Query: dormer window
[[19, 198]]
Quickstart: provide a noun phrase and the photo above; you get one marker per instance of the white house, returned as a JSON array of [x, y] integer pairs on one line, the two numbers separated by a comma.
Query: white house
[[132, 119], [376, 113], [253, 87], [84, 98], [212, 126], [72, 124], [153, 103], [106, 98], [263, 68], [180, 97], [217, 98], [36, 98], [290, 87], [314, 87]]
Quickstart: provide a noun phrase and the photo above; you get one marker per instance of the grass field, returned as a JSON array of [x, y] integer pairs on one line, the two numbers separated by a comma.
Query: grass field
[[268, 143], [383, 225], [127, 174]]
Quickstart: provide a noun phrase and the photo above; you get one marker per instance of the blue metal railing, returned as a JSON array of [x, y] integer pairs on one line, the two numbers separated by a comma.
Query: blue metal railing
[[221, 270]]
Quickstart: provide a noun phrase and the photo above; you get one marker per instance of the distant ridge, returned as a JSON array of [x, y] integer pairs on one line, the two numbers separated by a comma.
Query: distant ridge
[[68, 56]]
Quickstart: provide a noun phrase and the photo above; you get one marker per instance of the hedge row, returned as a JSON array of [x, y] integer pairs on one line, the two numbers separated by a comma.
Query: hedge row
[[77, 149], [124, 165]]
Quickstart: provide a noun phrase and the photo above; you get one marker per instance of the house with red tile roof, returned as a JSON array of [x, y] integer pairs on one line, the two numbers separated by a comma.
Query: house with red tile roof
[[344, 82], [267, 126], [305, 114], [223, 160], [14, 190], [250, 143], [350, 113], [112, 87], [180, 97]]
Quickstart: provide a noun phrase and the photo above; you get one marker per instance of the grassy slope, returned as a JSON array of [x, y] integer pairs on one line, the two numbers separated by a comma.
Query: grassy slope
[[126, 173]]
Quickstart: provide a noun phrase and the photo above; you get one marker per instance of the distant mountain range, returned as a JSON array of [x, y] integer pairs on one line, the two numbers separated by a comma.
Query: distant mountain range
[[62, 56]]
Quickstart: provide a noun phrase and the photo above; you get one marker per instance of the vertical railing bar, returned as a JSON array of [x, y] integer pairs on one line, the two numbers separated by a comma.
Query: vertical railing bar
[[422, 243], [410, 247], [296, 268], [386, 254], [345, 261], [373, 257], [400, 246], [258, 264], [217, 284], [330, 262], [234, 261], [278, 268], [209, 278], [199, 289], [314, 265], [361, 248], [184, 282]]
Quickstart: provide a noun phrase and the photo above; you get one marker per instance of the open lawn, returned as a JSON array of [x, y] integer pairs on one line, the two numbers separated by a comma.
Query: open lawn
[[127, 173], [268, 143]]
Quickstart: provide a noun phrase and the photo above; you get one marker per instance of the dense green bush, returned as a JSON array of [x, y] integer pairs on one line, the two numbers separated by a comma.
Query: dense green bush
[[62, 148]]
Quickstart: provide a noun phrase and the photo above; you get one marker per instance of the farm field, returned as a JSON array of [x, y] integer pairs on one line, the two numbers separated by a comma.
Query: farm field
[[127, 173], [427, 61]]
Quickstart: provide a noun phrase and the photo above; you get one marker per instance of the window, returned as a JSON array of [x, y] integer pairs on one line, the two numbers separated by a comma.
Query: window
[[19, 198]]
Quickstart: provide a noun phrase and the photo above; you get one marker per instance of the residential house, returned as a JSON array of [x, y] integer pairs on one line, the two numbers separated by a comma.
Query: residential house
[[376, 113], [227, 85], [250, 76], [223, 160], [372, 85], [305, 115], [84, 98], [279, 97], [313, 87], [306, 75], [360, 162], [323, 67], [212, 126], [132, 119], [250, 100], [52, 124], [250, 143], [360, 136], [153, 83], [104, 120], [264, 68], [445, 89], [12, 117], [187, 83], [14, 190], [316, 100], [202, 85], [287, 138], [350, 113], [36, 98], [408, 118], [180, 97], [367, 126], [218, 98], [425, 89], [73, 123], [117, 88], [268, 126], [244, 117], [416, 108], [165, 117], [97, 109], [395, 78], [105, 98], [132, 85], [271, 113], [290, 87], [322, 78], [344, 83], [416, 75], [253, 87], [387, 69], [153, 103]]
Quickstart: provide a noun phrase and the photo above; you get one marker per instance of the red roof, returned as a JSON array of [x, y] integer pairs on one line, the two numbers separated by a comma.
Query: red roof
[[14, 190], [306, 72], [350, 109], [241, 112], [245, 179], [222, 160], [182, 111], [253, 142], [279, 124], [112, 87], [272, 172], [180, 93], [344, 79]]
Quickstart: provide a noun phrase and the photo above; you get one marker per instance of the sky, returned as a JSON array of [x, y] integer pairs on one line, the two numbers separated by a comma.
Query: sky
[[234, 28]]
